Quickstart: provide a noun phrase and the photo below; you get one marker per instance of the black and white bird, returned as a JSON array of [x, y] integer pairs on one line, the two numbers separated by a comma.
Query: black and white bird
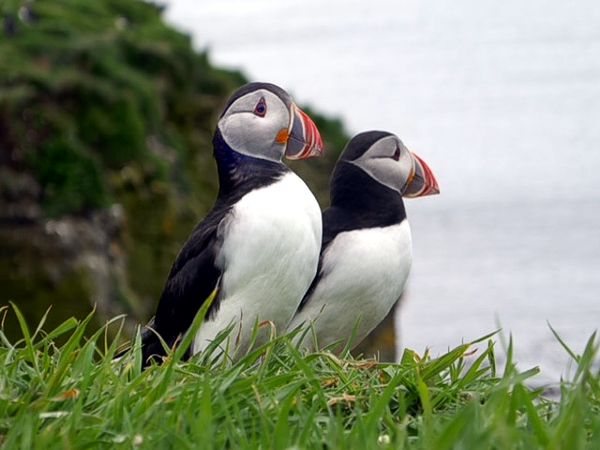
[[366, 253], [257, 250]]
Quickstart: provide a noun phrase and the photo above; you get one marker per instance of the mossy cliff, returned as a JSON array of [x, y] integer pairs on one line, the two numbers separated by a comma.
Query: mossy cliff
[[106, 118]]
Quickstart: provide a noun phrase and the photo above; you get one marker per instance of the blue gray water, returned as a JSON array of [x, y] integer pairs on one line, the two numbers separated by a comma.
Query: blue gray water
[[502, 99]]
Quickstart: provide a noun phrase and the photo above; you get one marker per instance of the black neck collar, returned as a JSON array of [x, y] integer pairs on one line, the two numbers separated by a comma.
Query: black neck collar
[[366, 202], [239, 174]]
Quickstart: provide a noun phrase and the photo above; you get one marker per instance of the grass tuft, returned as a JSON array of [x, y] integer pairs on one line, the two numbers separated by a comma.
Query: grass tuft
[[59, 390]]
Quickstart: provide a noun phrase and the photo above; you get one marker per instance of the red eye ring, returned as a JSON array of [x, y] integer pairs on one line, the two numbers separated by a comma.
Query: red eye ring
[[261, 108]]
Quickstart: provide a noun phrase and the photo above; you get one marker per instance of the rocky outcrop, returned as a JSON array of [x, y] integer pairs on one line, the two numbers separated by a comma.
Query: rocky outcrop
[[69, 263]]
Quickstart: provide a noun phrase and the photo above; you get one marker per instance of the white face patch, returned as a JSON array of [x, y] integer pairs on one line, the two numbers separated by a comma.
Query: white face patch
[[251, 130], [387, 161]]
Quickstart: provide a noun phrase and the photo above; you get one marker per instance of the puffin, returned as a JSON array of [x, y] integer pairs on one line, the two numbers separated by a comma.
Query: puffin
[[366, 252], [255, 254]]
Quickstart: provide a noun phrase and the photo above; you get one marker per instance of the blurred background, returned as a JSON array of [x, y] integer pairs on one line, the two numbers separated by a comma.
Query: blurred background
[[106, 113]]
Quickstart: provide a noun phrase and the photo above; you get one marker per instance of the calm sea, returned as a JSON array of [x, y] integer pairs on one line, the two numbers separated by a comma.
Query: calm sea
[[502, 99]]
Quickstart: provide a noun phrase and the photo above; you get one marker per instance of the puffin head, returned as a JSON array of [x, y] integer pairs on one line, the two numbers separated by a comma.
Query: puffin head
[[262, 121], [385, 159]]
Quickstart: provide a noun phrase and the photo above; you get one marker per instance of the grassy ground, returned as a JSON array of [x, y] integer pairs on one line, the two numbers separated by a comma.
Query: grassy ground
[[59, 390]]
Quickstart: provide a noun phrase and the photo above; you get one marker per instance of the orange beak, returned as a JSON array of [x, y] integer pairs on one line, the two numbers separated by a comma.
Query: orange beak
[[302, 138], [422, 182]]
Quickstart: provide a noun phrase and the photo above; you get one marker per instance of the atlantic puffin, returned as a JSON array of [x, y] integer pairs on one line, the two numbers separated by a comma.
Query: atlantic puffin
[[366, 252], [256, 252]]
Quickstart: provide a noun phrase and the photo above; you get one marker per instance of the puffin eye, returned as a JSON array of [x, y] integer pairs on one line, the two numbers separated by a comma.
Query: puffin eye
[[396, 155], [261, 108]]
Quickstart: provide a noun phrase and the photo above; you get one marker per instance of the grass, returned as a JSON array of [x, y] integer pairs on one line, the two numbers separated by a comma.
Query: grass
[[61, 390]]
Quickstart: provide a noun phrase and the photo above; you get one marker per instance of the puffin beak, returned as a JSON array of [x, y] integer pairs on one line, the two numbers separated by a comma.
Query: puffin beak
[[302, 138], [421, 182]]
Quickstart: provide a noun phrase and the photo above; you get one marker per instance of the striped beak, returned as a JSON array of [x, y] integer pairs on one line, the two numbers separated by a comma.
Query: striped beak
[[421, 182], [302, 138]]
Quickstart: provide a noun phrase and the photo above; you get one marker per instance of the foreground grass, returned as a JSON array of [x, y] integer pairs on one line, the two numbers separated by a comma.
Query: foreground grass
[[72, 395]]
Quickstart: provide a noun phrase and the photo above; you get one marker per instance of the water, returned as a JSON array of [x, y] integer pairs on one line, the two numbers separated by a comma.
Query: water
[[502, 99]]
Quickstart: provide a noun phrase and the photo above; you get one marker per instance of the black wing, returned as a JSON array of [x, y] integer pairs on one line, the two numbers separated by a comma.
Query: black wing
[[193, 278]]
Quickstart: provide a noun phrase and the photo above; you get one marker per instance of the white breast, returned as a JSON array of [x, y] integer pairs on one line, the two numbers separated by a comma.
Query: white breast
[[364, 274], [270, 255]]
